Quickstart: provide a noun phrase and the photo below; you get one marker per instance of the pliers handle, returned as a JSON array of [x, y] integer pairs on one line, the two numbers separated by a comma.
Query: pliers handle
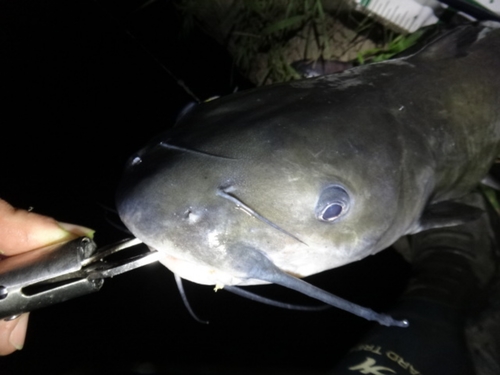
[[54, 274]]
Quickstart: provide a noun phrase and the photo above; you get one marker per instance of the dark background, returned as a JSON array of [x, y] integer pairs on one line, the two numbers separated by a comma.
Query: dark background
[[78, 95]]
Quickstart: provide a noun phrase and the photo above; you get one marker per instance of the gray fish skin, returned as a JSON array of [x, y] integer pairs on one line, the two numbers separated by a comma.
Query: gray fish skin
[[393, 143]]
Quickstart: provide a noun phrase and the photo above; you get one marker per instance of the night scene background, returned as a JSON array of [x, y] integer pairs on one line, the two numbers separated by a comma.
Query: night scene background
[[83, 86]]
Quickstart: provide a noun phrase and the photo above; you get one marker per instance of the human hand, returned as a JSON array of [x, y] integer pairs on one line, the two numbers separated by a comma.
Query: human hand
[[22, 231]]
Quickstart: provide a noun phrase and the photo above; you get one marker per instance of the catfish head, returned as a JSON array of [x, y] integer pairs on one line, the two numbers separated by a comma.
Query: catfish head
[[254, 189], [268, 183], [259, 201]]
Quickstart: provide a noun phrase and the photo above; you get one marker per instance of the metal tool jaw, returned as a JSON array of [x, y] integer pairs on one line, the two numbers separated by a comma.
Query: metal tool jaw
[[54, 274]]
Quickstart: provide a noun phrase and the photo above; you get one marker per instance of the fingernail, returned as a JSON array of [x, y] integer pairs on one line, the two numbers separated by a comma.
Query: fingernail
[[57, 234], [77, 229], [18, 334]]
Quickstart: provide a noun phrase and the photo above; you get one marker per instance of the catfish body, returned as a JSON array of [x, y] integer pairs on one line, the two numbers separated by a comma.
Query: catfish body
[[301, 177]]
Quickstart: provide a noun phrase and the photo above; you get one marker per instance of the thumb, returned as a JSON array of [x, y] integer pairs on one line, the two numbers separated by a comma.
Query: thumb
[[21, 230]]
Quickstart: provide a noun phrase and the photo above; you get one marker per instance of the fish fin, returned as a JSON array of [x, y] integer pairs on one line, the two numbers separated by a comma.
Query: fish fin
[[447, 214], [452, 44], [491, 182], [402, 247]]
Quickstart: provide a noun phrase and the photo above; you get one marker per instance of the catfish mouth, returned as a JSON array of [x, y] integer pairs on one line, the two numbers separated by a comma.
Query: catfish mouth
[[205, 274]]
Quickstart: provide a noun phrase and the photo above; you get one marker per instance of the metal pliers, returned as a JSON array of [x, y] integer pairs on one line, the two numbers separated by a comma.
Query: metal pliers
[[58, 273]]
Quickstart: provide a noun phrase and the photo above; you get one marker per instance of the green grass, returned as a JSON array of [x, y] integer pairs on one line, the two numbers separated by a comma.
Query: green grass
[[397, 44], [262, 33], [492, 195]]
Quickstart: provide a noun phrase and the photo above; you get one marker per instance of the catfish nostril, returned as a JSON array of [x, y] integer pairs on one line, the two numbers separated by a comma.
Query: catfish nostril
[[191, 216], [136, 161]]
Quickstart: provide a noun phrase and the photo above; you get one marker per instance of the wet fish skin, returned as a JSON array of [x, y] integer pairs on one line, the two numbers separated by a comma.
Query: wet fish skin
[[398, 141]]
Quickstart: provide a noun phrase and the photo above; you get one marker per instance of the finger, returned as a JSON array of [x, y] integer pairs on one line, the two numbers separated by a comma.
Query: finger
[[13, 334], [21, 230]]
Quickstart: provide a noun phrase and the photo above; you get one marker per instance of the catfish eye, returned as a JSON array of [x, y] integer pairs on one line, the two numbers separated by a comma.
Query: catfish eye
[[332, 204], [331, 212]]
